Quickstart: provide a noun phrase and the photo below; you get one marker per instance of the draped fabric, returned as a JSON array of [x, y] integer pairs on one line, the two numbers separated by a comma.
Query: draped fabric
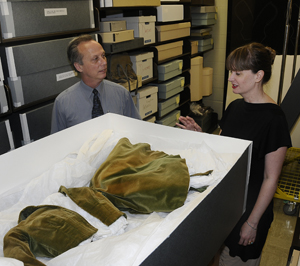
[[48, 231], [137, 179], [45, 231], [133, 177]]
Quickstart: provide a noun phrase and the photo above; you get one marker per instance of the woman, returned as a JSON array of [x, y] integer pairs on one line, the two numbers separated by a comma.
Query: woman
[[256, 117]]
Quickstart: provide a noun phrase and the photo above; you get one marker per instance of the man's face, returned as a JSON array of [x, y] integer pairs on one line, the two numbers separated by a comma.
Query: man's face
[[93, 69]]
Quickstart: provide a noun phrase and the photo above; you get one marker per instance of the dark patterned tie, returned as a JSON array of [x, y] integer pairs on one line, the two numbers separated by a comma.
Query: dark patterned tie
[[97, 108]]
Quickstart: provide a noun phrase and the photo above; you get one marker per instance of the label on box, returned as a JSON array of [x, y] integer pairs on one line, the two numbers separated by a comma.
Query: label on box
[[50, 12], [180, 65], [65, 75]]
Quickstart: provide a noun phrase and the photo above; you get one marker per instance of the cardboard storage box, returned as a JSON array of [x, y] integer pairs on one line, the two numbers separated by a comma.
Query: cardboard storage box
[[123, 46], [36, 124], [194, 47], [7, 142], [167, 13], [202, 33], [169, 120], [203, 9], [207, 81], [126, 3], [143, 26], [44, 17], [203, 48], [203, 2], [196, 84], [169, 70], [142, 64], [206, 41], [203, 22], [169, 50], [204, 16], [147, 101], [165, 107], [170, 87], [173, 31], [108, 26], [133, 84], [117, 36], [150, 119], [196, 221], [38, 70]]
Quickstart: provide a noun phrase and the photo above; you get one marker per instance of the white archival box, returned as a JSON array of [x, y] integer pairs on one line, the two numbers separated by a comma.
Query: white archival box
[[197, 233]]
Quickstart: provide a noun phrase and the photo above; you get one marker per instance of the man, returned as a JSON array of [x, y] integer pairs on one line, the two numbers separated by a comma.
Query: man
[[75, 104]]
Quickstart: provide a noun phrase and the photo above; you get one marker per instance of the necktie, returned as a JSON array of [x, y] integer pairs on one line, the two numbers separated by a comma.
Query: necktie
[[97, 108]]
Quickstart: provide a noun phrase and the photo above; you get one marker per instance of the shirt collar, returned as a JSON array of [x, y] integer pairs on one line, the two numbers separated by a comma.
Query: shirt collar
[[88, 90]]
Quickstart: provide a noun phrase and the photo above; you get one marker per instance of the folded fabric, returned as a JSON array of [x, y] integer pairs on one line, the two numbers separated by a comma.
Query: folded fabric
[[94, 203], [45, 231], [139, 180], [48, 230]]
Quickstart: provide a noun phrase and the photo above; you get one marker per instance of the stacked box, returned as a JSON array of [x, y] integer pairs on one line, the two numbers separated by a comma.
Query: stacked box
[[123, 46], [204, 19], [150, 119], [143, 26], [194, 47], [146, 101], [126, 3], [36, 124], [117, 36], [170, 120], [142, 64], [207, 81], [205, 44], [173, 31], [170, 87], [196, 84], [44, 17], [108, 26], [169, 70], [166, 106], [166, 51], [167, 13], [203, 2], [38, 70]]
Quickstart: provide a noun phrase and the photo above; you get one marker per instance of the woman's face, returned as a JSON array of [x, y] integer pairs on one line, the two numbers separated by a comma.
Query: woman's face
[[242, 81]]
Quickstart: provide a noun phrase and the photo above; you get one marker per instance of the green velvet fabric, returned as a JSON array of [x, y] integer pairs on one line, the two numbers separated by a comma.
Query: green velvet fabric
[[137, 179], [94, 203], [45, 231]]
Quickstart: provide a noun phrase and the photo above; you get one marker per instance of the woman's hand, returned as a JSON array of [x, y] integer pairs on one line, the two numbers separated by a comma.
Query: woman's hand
[[189, 124], [247, 234]]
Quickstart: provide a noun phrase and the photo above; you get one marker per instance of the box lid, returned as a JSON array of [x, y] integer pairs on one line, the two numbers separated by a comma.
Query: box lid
[[169, 45], [147, 90], [198, 60], [140, 56], [126, 3], [137, 19], [172, 65], [175, 26], [40, 56], [207, 71]]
